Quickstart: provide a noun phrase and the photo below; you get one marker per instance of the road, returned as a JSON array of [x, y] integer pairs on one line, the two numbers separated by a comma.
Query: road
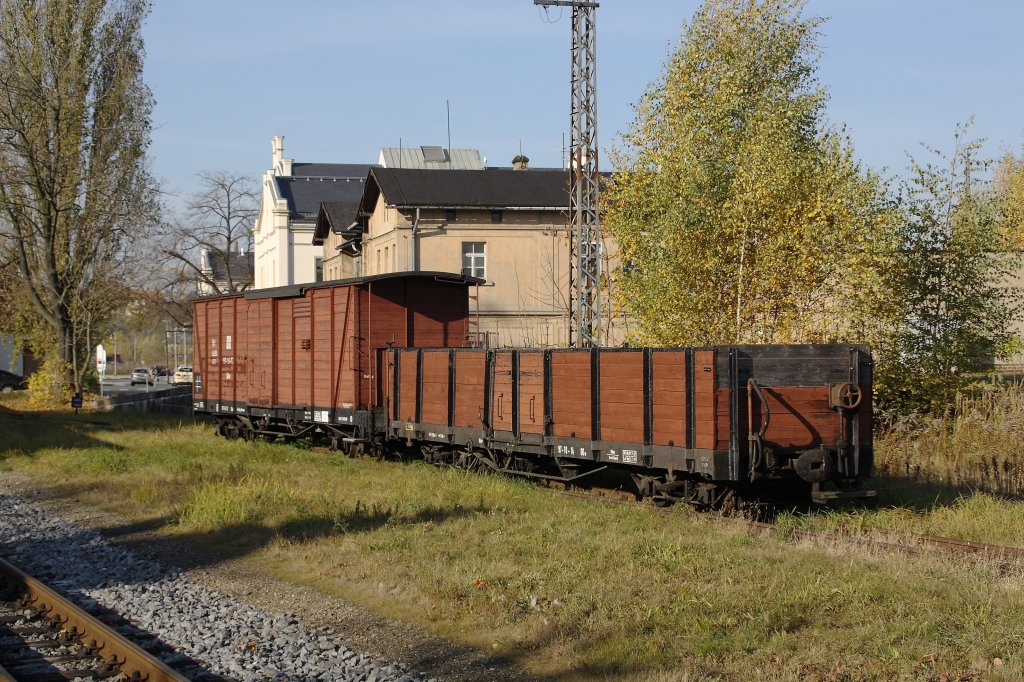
[[121, 385]]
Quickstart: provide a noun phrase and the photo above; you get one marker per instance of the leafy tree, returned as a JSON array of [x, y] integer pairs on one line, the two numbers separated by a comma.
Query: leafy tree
[[208, 247], [740, 214], [75, 189], [950, 303], [1009, 185]]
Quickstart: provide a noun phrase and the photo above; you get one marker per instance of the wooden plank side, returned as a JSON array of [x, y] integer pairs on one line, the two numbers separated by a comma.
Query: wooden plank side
[[435, 388], [470, 366], [622, 396], [501, 391], [571, 386], [531, 392], [668, 398], [303, 351], [213, 330], [705, 428], [800, 417], [242, 360], [323, 350], [345, 383], [200, 349], [284, 383], [408, 362], [229, 329]]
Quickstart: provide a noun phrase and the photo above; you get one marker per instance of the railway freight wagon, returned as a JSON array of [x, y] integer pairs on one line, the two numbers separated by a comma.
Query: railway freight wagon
[[382, 363], [294, 360], [699, 425]]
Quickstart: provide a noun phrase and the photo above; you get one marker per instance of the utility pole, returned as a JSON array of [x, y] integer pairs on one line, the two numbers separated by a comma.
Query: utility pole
[[584, 222]]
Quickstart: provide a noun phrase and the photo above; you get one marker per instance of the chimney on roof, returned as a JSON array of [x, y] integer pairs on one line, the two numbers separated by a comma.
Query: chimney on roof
[[277, 144], [520, 163]]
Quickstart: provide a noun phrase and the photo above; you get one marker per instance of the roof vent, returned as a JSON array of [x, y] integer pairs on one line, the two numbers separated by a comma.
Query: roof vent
[[520, 163]]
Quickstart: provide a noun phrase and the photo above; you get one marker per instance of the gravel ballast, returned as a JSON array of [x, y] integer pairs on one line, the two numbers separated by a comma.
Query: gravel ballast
[[228, 638]]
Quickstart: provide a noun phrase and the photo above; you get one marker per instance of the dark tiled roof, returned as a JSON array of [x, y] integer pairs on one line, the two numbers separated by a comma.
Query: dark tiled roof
[[329, 170], [494, 188], [241, 266], [305, 194], [335, 216]]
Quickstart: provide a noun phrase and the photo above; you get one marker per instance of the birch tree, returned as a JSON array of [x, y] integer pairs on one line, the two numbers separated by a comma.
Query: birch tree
[[951, 299], [741, 214], [75, 190]]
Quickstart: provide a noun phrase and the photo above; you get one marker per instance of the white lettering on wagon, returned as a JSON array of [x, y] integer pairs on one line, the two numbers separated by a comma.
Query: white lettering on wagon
[[570, 451], [630, 456]]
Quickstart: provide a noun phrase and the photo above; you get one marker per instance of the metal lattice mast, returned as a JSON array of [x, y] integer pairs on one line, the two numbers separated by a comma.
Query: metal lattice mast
[[584, 222]]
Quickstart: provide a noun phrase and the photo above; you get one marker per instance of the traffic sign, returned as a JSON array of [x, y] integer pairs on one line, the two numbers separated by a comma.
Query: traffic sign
[[101, 359]]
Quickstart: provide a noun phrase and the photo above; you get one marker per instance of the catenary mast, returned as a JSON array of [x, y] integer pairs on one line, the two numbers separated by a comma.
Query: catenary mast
[[584, 222]]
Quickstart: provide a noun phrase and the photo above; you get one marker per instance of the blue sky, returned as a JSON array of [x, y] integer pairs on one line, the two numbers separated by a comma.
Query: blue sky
[[340, 79]]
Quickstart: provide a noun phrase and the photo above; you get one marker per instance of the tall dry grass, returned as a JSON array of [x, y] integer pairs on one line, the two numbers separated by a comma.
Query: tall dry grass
[[978, 444]]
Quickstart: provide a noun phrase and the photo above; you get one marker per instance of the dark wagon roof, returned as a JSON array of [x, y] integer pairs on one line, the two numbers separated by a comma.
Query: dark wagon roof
[[294, 290], [490, 188]]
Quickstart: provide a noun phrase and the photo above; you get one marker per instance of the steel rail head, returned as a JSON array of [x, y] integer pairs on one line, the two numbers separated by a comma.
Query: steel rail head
[[110, 645]]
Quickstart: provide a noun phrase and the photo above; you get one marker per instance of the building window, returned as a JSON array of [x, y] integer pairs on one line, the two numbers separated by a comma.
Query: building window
[[378, 263], [318, 265], [496, 216], [449, 215], [387, 261], [473, 259]]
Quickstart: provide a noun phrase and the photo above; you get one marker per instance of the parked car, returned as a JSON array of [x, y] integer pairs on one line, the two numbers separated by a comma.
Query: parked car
[[182, 375], [9, 381], [142, 375]]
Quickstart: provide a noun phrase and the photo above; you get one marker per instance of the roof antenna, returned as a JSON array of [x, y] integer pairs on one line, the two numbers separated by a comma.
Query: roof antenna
[[448, 105]]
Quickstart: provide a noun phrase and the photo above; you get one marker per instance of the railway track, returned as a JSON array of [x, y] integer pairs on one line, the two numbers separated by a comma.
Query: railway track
[[46, 638]]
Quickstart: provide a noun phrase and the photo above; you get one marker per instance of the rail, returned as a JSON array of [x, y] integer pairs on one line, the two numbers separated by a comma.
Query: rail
[[57, 638]]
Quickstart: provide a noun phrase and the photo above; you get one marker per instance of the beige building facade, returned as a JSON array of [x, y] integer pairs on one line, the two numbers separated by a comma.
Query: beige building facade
[[504, 226]]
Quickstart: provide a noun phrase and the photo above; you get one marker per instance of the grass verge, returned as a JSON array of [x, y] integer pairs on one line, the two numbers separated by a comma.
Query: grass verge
[[571, 589]]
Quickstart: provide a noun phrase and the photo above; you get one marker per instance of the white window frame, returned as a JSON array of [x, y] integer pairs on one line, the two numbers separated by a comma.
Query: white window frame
[[477, 260]]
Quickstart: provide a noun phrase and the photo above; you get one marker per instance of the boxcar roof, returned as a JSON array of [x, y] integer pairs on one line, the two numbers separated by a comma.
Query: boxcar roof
[[295, 290]]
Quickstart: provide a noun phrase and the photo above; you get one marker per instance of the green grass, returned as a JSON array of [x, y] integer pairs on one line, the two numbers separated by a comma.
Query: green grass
[[568, 588]]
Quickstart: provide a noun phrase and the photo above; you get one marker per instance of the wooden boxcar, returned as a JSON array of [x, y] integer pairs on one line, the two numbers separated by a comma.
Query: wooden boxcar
[[685, 421], [293, 359]]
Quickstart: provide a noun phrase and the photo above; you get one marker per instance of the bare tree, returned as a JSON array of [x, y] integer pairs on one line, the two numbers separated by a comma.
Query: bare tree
[[75, 189], [212, 245]]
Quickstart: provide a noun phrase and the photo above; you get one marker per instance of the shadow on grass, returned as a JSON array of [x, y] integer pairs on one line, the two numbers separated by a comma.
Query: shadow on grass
[[236, 540], [30, 432], [27, 432]]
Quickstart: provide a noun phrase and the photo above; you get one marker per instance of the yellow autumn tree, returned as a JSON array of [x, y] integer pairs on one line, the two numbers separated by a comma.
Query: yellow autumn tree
[[1009, 183], [740, 213]]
